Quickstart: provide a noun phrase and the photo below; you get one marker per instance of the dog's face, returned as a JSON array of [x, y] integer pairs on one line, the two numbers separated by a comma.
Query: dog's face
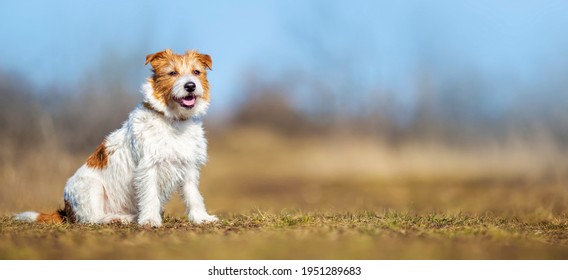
[[180, 81]]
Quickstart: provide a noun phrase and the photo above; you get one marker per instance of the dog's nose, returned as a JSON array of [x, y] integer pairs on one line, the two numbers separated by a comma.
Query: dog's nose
[[189, 87]]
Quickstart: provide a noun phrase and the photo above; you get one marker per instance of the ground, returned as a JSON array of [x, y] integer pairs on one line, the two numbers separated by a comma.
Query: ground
[[335, 197], [366, 235]]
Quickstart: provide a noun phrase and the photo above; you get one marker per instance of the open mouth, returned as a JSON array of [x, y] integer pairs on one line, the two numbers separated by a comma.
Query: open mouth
[[187, 101]]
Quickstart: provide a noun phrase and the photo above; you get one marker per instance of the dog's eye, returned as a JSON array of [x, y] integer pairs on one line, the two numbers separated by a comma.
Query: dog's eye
[[173, 73], [196, 72]]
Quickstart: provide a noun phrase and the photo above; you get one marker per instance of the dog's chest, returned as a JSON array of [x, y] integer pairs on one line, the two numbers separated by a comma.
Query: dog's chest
[[176, 146]]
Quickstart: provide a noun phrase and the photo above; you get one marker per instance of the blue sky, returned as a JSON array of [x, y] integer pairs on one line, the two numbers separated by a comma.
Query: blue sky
[[382, 44]]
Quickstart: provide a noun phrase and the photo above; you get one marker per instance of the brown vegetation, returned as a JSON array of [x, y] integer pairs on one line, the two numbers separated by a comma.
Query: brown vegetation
[[273, 158]]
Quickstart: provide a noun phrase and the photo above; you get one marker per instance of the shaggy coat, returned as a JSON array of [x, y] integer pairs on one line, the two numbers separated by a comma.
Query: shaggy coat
[[159, 150]]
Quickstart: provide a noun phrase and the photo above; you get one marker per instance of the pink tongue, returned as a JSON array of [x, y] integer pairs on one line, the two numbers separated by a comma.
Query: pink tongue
[[188, 102]]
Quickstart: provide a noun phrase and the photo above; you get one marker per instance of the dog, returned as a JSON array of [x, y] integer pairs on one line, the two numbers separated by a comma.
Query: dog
[[160, 149]]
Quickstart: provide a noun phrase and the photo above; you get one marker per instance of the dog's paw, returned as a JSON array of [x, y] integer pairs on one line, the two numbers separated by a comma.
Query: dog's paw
[[199, 218], [118, 219], [150, 223]]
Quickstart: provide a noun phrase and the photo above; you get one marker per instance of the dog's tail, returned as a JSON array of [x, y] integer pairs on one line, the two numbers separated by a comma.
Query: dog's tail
[[58, 217]]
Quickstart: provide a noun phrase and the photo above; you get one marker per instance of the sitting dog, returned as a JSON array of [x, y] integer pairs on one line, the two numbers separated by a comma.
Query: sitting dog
[[157, 151]]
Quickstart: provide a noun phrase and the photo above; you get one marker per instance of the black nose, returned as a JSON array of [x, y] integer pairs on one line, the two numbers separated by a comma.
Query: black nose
[[189, 87]]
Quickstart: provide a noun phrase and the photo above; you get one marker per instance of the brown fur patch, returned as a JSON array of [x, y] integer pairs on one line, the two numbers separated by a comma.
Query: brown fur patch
[[165, 62], [99, 158], [151, 108], [50, 218], [62, 215]]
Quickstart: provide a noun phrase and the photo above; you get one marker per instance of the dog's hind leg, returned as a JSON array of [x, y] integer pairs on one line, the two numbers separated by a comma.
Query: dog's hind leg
[[86, 197]]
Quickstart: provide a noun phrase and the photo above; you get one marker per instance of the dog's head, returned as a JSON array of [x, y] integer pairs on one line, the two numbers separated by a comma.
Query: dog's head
[[179, 83]]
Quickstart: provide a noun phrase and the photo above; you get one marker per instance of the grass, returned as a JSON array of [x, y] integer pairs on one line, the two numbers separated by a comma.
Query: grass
[[351, 198], [296, 235]]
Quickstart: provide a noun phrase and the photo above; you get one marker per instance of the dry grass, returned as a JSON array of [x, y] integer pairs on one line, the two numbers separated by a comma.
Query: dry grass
[[367, 235], [320, 197]]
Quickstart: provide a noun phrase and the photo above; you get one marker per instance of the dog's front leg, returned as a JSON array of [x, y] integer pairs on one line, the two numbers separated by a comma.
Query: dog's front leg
[[147, 194], [194, 201]]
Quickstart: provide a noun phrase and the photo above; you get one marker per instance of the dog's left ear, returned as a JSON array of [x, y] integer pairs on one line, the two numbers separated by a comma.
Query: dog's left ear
[[206, 60]]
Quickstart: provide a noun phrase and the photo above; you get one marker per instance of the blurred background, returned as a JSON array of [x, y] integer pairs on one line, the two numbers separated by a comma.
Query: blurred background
[[316, 105]]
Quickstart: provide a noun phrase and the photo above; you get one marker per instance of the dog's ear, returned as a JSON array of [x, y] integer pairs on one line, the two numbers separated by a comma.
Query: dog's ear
[[155, 56], [206, 60]]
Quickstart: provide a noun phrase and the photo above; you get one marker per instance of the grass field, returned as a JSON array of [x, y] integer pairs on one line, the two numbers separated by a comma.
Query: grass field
[[366, 235], [336, 197]]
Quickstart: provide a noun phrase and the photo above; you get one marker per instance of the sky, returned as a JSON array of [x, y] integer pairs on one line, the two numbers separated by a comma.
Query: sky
[[381, 44]]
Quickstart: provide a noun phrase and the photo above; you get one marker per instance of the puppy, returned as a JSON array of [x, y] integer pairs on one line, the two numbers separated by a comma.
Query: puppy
[[157, 151]]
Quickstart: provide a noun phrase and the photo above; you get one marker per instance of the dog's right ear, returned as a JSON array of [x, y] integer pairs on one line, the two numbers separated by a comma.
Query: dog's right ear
[[156, 56]]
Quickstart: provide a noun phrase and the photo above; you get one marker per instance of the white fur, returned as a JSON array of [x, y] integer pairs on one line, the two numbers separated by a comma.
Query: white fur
[[149, 158], [29, 216]]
